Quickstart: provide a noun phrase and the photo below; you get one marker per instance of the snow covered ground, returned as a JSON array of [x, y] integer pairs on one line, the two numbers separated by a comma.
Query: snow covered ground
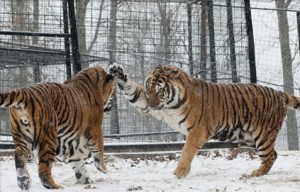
[[213, 171]]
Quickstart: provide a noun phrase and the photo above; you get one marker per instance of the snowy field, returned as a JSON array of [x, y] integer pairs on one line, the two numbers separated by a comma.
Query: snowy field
[[214, 171]]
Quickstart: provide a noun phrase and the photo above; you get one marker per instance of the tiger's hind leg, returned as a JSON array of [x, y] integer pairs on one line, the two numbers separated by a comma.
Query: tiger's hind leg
[[46, 159], [47, 153], [266, 153], [23, 178], [96, 147], [267, 158]]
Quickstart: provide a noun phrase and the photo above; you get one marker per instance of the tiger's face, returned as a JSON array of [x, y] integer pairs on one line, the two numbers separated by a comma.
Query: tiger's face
[[160, 86]]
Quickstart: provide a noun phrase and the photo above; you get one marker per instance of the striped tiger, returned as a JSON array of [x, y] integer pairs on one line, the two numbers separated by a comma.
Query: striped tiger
[[60, 120], [248, 114]]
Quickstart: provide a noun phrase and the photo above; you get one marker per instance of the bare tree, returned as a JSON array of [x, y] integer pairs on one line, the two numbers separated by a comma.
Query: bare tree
[[287, 69], [115, 129], [164, 30], [20, 9], [190, 38], [97, 27], [81, 8], [231, 42], [212, 47], [203, 52], [35, 39]]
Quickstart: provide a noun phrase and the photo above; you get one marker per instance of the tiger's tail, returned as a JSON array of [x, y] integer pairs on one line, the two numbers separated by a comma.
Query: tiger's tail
[[10, 99], [292, 101]]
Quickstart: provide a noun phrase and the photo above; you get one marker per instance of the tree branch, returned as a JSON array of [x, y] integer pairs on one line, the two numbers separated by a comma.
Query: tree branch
[[287, 3], [97, 28]]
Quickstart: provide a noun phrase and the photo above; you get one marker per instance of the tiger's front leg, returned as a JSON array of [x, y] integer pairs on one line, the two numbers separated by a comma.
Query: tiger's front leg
[[118, 71], [196, 138]]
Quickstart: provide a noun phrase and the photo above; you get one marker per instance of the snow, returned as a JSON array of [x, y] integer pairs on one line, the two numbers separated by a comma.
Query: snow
[[215, 170]]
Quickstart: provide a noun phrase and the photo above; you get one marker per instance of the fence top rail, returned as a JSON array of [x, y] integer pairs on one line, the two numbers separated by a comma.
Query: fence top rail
[[259, 8], [23, 33]]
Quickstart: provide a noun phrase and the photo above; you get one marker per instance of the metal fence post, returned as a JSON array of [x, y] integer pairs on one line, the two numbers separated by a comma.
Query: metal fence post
[[74, 38], [67, 39], [190, 39], [298, 24], [251, 47]]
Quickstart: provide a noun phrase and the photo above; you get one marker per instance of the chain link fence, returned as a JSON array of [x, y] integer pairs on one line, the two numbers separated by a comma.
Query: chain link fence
[[208, 40]]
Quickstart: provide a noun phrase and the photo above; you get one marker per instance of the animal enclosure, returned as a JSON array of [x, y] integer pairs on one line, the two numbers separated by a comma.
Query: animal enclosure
[[219, 41]]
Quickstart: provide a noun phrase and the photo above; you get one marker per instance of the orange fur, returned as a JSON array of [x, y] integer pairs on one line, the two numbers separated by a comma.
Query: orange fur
[[248, 114]]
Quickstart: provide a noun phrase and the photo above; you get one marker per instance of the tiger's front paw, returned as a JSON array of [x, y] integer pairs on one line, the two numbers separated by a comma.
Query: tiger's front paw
[[118, 71], [83, 179], [182, 170]]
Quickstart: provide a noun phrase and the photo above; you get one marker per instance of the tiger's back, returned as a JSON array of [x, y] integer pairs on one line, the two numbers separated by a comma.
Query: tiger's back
[[236, 112]]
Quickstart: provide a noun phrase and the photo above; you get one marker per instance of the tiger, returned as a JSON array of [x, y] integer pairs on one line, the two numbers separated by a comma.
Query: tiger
[[244, 113], [60, 120]]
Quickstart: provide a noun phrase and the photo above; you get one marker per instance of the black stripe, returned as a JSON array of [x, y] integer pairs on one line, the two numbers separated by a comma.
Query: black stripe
[[200, 87], [266, 155], [11, 99], [136, 96], [185, 117], [180, 101], [172, 95], [266, 147]]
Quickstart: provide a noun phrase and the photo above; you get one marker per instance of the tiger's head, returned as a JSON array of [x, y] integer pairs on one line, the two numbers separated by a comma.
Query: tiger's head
[[99, 79], [164, 87]]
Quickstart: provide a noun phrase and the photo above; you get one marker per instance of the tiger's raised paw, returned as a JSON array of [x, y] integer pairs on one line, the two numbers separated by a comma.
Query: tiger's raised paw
[[118, 71]]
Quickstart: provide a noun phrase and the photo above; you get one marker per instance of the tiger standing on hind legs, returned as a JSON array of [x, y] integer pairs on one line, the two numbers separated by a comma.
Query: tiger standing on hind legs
[[60, 120], [248, 114]]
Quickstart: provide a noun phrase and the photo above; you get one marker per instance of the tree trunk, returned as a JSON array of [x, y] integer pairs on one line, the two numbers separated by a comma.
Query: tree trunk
[[164, 49], [203, 53], [20, 23], [212, 47], [97, 27], [81, 8], [298, 26], [190, 39], [114, 120], [287, 69], [231, 42], [35, 39]]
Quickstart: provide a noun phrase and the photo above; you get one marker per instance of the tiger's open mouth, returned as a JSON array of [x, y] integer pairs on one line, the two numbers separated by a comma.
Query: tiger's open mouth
[[151, 95]]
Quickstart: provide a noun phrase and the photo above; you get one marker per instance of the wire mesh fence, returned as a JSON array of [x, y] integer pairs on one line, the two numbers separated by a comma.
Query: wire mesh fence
[[210, 42]]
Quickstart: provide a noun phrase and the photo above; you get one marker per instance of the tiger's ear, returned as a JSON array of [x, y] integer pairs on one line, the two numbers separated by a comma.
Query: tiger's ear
[[174, 73], [158, 70]]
